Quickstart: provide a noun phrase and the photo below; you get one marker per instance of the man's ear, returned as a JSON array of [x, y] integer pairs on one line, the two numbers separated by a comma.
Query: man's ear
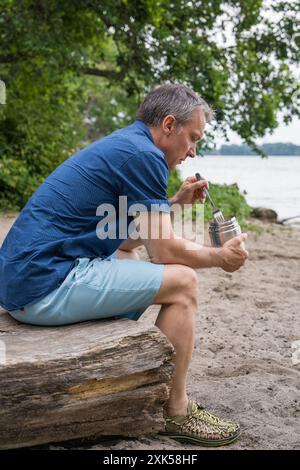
[[169, 124]]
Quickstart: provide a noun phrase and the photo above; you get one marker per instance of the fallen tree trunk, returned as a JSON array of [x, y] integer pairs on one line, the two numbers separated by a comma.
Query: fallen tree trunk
[[85, 380]]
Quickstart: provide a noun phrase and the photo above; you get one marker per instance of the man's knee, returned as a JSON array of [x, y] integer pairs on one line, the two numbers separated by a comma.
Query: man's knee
[[180, 284], [188, 284]]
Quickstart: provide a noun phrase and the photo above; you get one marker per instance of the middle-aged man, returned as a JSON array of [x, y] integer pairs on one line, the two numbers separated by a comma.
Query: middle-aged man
[[58, 268]]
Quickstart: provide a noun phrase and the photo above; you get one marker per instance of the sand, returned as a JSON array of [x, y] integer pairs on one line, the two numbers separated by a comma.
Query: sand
[[242, 367]]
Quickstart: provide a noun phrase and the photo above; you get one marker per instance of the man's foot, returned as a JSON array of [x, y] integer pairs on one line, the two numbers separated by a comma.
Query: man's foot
[[200, 427]]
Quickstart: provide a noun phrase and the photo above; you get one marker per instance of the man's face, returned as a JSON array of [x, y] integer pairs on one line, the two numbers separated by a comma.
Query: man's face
[[181, 141]]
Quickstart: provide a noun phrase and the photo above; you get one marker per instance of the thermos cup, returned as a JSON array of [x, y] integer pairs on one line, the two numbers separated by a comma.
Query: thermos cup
[[221, 232]]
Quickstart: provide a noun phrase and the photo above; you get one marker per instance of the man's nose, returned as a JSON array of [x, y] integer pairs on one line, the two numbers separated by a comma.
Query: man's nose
[[192, 151]]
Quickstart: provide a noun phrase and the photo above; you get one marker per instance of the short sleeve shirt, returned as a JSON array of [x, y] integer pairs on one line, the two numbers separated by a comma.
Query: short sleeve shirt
[[67, 216]]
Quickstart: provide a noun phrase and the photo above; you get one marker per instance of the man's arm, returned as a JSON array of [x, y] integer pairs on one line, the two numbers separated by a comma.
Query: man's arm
[[130, 244], [166, 248]]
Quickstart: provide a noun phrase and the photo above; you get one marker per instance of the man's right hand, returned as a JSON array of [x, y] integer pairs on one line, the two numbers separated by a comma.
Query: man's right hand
[[233, 255]]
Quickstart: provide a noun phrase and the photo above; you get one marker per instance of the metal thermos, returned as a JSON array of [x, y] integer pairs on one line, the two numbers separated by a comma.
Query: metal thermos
[[220, 232]]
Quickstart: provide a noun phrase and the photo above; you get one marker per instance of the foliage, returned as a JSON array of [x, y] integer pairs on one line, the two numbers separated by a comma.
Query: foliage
[[32, 144], [77, 70], [174, 183], [258, 229], [229, 199]]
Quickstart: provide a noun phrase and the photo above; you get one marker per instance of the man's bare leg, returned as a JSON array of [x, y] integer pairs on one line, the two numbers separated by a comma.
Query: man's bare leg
[[178, 295]]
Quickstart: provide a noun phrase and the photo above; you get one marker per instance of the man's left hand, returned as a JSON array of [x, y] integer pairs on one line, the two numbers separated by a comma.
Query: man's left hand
[[190, 192]]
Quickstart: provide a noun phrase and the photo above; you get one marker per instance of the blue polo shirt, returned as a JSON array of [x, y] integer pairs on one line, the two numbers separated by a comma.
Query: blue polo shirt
[[64, 218]]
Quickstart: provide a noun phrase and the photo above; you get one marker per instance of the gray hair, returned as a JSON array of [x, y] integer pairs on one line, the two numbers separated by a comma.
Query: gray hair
[[175, 99]]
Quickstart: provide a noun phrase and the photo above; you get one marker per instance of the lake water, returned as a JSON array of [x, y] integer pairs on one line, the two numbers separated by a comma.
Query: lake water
[[272, 182]]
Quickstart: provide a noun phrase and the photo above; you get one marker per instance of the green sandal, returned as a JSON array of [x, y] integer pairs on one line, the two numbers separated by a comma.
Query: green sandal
[[200, 427]]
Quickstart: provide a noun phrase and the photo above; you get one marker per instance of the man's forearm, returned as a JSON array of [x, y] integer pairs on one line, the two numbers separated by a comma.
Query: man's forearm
[[181, 251], [130, 244]]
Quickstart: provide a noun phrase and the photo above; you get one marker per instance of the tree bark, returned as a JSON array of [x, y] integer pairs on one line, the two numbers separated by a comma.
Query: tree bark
[[103, 378]]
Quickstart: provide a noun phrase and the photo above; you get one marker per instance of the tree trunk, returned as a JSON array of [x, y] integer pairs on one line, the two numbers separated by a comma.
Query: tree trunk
[[102, 378]]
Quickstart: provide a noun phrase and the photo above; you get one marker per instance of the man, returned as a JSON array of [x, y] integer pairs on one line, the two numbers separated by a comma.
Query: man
[[57, 266]]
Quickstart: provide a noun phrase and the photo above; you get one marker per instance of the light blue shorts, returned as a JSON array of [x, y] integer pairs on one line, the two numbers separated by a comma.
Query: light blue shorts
[[97, 289]]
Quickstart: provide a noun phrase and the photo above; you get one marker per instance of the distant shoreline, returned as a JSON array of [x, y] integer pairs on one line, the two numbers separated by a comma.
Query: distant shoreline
[[280, 149], [244, 155]]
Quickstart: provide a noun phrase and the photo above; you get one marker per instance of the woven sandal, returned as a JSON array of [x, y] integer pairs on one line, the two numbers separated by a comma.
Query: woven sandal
[[200, 427]]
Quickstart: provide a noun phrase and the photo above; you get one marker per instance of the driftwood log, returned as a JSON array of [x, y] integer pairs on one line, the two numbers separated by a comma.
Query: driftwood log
[[92, 379]]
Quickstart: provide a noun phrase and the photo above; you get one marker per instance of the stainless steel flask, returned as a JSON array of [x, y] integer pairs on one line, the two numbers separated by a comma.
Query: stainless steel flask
[[221, 232]]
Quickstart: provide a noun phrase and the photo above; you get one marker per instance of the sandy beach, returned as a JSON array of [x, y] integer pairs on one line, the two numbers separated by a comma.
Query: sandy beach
[[242, 367]]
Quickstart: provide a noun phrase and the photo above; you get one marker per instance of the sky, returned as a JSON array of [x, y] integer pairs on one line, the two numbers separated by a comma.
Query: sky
[[283, 133]]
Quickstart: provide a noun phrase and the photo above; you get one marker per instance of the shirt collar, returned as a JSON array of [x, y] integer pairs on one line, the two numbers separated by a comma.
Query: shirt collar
[[144, 128]]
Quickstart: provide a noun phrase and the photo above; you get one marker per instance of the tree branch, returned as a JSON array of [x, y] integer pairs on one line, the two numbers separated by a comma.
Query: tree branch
[[11, 58], [110, 74], [102, 73]]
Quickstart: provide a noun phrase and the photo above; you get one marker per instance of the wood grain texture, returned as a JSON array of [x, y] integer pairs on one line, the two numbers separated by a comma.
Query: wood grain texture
[[85, 380]]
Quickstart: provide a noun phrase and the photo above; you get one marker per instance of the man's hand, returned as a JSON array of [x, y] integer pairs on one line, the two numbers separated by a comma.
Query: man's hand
[[190, 191], [233, 254]]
